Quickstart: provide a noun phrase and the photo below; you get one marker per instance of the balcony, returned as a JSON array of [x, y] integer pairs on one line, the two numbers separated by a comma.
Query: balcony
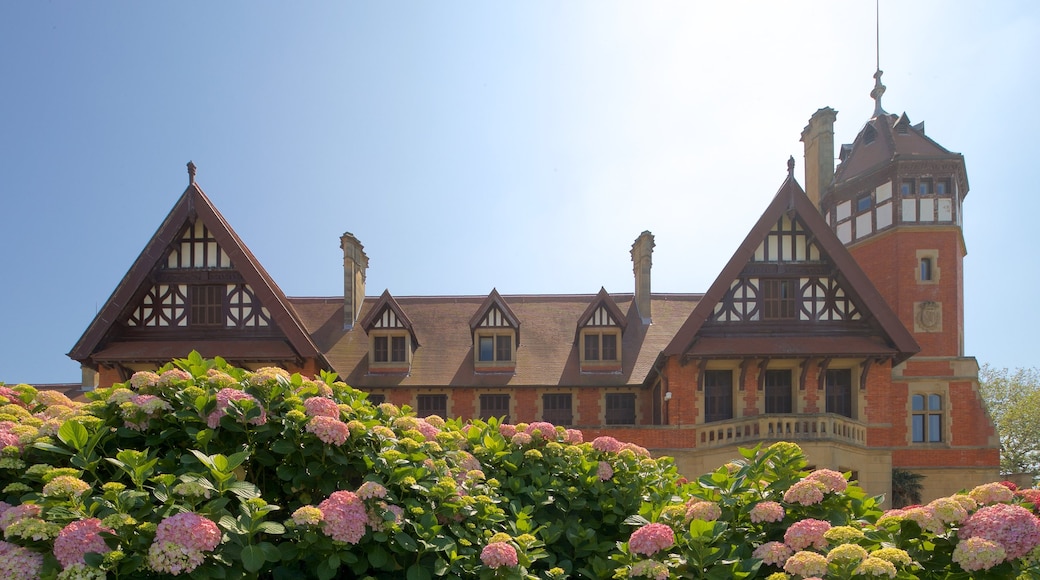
[[816, 427]]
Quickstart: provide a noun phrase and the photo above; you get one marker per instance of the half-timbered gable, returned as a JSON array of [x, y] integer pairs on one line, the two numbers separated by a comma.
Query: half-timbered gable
[[195, 287]]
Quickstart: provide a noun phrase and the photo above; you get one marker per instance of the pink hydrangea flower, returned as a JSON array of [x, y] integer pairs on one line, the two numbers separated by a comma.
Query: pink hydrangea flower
[[307, 515], [545, 430], [575, 437], [990, 493], [773, 553], [876, 567], [805, 533], [637, 449], [371, 489], [345, 517], [507, 430], [321, 407], [144, 379], [12, 397], [428, 430], [604, 471], [329, 430], [65, 486], [18, 563], [78, 538], [767, 511], [708, 511], [805, 492], [806, 564], [833, 480], [224, 397], [498, 554], [650, 539], [649, 569], [606, 444], [978, 554], [18, 512], [180, 543], [948, 510], [1012, 526], [521, 439], [173, 376], [140, 409]]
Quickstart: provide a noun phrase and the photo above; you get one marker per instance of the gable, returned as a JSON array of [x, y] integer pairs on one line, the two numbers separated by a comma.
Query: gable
[[195, 283], [792, 288]]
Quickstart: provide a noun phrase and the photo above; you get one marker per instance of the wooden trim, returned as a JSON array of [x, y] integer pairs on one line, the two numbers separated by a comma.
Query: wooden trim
[[762, 374], [821, 378], [863, 374]]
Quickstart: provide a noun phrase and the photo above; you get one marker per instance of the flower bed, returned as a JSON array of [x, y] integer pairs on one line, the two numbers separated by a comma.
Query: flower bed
[[211, 471]]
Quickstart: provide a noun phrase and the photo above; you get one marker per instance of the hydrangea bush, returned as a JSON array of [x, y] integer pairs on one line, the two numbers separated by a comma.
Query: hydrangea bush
[[210, 471]]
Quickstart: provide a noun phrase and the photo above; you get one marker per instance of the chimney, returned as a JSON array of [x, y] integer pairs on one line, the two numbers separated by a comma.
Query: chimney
[[642, 250], [818, 137], [355, 268]]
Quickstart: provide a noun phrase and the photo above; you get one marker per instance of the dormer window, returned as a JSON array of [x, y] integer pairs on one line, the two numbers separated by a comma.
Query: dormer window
[[496, 336], [924, 187], [600, 329], [390, 337], [942, 187], [906, 188]]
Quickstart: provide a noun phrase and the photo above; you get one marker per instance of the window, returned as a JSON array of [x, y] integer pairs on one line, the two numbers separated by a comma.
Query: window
[[778, 391], [600, 346], [906, 188], [376, 398], [926, 269], [494, 406], [621, 409], [863, 203], [778, 299], [924, 187], [927, 415], [495, 348], [427, 405], [388, 349], [839, 391], [556, 408], [942, 187], [207, 305], [718, 396]]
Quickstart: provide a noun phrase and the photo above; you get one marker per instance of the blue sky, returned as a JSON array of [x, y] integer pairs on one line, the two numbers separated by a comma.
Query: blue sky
[[473, 145]]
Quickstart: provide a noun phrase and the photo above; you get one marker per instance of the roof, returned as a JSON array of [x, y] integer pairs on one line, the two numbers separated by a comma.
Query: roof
[[895, 340], [193, 205], [548, 355], [885, 138]]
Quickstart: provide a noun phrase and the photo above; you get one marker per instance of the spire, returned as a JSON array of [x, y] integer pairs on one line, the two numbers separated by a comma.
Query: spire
[[191, 173], [879, 89]]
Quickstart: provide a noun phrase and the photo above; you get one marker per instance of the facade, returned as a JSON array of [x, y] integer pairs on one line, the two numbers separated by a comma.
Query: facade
[[837, 324]]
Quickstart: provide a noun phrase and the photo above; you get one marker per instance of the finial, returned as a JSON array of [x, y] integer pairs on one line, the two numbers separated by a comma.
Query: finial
[[790, 166], [879, 89], [191, 173]]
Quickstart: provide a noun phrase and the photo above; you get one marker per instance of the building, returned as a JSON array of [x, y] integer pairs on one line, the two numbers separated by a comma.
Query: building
[[837, 323]]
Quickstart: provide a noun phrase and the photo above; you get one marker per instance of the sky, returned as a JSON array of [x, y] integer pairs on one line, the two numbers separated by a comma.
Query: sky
[[521, 146]]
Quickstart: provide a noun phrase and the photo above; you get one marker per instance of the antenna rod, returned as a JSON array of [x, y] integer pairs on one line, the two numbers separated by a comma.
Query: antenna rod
[[877, 33]]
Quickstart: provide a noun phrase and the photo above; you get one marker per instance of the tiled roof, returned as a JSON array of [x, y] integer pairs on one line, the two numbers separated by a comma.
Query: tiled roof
[[883, 139], [547, 353]]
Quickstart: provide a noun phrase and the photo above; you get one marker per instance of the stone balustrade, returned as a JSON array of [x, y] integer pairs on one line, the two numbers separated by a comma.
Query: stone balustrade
[[745, 430]]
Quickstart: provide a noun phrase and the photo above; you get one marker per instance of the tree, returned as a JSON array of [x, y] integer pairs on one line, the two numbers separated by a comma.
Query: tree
[[1013, 400], [906, 488]]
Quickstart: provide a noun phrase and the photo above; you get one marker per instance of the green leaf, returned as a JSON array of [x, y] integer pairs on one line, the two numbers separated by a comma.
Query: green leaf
[[244, 489], [73, 434], [273, 528], [52, 448], [418, 572], [406, 542], [253, 558], [378, 557]]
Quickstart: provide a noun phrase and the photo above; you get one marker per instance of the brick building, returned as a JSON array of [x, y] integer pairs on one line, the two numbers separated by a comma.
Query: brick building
[[837, 323]]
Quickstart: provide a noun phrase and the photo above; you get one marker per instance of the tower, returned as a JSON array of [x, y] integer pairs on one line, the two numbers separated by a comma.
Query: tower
[[896, 202]]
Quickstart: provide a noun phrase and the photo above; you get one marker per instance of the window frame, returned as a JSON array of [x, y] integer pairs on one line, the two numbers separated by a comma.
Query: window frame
[[597, 359], [497, 409], [717, 394], [929, 420], [207, 305], [779, 298], [615, 414], [497, 349], [554, 413], [427, 409], [832, 397], [390, 350], [774, 393]]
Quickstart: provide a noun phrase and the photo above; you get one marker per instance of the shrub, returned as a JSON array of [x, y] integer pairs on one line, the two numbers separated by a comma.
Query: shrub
[[211, 471]]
